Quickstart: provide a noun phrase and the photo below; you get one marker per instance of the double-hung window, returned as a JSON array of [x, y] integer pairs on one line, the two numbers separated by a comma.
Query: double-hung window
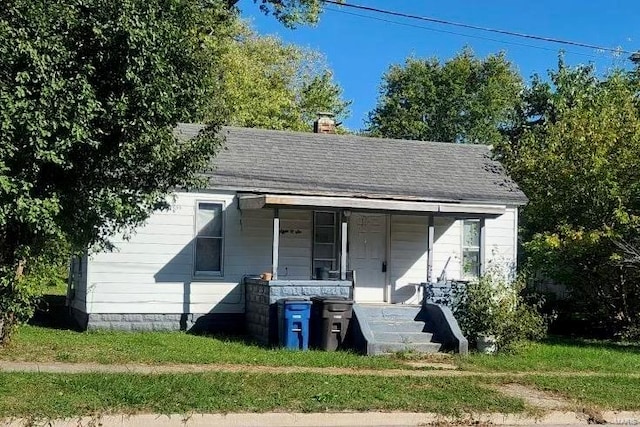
[[470, 248], [209, 240]]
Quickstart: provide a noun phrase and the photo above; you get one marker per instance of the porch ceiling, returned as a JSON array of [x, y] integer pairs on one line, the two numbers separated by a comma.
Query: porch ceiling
[[259, 201]]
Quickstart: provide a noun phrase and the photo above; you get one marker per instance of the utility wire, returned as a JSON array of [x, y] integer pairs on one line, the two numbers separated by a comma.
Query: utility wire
[[475, 27], [406, 24]]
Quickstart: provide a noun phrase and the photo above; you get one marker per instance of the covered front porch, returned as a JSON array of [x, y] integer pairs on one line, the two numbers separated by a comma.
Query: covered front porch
[[384, 247]]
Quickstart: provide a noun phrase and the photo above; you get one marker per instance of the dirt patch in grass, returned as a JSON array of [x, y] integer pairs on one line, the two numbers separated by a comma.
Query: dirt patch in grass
[[139, 368], [548, 402], [182, 368], [418, 364], [415, 360], [534, 397], [613, 392]]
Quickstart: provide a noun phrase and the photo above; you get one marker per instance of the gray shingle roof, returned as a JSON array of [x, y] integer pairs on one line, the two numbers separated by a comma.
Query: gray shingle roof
[[306, 163]]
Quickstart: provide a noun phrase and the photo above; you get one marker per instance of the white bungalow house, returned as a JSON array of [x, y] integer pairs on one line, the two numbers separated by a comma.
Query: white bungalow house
[[301, 207]]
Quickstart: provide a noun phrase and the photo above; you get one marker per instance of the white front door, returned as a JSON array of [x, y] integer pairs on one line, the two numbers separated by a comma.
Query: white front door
[[367, 255]]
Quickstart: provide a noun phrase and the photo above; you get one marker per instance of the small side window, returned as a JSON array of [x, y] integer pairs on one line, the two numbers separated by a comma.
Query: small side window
[[470, 248], [209, 240]]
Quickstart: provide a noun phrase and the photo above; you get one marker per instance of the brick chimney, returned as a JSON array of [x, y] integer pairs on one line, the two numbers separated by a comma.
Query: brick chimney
[[325, 123]]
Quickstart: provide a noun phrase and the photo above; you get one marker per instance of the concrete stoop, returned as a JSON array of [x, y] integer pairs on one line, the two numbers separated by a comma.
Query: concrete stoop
[[394, 328]]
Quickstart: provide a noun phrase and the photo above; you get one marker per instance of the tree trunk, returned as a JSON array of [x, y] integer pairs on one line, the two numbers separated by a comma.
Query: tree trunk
[[7, 319], [20, 269]]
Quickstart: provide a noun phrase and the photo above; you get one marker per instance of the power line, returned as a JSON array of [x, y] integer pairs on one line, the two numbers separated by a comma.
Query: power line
[[406, 24], [478, 28]]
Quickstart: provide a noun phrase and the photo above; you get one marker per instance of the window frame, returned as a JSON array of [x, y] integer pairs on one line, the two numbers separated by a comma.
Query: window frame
[[204, 274], [464, 247], [336, 242]]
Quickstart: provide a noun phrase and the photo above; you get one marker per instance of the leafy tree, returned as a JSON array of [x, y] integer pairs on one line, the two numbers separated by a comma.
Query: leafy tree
[[268, 84], [575, 154], [319, 93], [289, 12], [90, 91], [466, 99]]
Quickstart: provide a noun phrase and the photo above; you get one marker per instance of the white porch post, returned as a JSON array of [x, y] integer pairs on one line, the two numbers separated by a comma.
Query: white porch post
[[430, 234], [343, 246], [483, 255], [276, 244]]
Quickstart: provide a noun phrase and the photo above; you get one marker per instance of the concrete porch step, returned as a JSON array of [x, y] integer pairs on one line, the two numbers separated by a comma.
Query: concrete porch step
[[403, 337], [390, 312], [380, 347], [399, 326], [391, 328]]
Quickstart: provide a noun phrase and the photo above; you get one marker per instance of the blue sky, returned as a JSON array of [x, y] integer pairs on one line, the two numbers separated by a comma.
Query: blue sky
[[359, 50]]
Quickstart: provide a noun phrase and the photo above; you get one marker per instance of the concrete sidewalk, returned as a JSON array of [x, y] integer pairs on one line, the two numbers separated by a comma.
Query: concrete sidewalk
[[364, 419], [139, 368]]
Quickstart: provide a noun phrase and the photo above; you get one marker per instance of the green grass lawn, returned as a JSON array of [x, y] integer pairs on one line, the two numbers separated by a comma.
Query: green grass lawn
[[33, 343], [556, 354], [38, 344], [602, 383], [56, 288], [60, 395]]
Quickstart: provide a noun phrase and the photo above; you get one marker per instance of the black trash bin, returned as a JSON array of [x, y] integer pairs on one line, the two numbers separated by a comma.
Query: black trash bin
[[330, 319]]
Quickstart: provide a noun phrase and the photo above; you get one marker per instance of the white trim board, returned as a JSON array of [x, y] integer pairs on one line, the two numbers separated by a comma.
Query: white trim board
[[269, 200]]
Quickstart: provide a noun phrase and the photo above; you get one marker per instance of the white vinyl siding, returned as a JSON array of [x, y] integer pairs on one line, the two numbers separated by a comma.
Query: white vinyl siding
[[408, 257], [501, 241], [500, 245], [446, 249], [151, 271]]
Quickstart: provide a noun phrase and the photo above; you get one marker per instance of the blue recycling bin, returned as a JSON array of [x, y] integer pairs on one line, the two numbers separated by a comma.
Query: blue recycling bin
[[293, 316]]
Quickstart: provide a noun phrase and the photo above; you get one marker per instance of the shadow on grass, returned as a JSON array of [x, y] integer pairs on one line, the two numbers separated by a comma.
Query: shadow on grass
[[595, 344], [226, 336], [52, 313], [236, 334]]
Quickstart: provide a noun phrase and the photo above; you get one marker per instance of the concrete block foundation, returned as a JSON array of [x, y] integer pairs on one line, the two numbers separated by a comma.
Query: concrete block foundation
[[192, 322]]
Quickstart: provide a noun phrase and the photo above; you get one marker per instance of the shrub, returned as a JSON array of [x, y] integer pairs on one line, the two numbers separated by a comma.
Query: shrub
[[494, 306]]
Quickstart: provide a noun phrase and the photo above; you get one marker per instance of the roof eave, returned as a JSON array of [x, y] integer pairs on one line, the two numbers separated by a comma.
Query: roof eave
[[366, 195]]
